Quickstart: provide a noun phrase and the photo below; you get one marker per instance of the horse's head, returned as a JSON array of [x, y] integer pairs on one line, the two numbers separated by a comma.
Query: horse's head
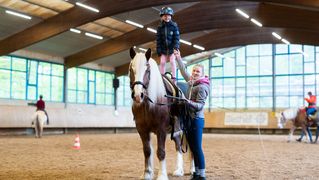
[[281, 120], [286, 115], [139, 73]]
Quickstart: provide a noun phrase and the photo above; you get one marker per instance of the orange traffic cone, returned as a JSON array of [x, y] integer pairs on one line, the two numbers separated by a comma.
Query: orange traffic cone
[[77, 142]]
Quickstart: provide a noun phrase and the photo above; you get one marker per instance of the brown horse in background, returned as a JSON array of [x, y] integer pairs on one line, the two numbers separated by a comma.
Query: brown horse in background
[[151, 112]]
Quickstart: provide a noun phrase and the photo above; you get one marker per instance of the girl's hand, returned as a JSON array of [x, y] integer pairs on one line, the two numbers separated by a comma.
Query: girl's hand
[[177, 54]]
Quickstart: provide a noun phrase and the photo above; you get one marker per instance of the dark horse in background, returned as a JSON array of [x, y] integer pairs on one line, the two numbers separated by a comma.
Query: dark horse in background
[[151, 112]]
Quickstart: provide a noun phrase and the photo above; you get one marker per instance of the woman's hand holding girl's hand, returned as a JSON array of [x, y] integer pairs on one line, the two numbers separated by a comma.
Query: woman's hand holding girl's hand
[[177, 54]]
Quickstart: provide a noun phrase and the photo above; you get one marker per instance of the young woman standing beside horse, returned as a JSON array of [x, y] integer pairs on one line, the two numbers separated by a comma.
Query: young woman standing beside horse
[[197, 94]]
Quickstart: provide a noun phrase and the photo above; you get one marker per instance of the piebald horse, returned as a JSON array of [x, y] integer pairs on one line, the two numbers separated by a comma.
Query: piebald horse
[[298, 118], [151, 113], [38, 120]]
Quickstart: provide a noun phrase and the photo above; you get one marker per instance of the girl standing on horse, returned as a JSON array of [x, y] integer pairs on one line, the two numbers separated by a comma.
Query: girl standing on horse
[[167, 40], [197, 94]]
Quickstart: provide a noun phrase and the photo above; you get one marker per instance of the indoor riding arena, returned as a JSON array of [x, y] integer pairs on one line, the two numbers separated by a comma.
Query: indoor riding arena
[[83, 94]]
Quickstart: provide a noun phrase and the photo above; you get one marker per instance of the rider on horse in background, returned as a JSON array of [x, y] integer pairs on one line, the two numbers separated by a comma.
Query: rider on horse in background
[[311, 109], [41, 107]]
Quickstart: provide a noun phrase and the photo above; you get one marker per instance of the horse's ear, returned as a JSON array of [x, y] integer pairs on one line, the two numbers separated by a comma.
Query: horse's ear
[[148, 53], [132, 53]]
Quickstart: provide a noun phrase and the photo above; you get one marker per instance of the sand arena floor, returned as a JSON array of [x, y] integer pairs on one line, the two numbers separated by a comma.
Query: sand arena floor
[[119, 156]]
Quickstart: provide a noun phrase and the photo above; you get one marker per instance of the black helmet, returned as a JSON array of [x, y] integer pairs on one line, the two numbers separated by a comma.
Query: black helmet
[[41, 96], [309, 93], [166, 10]]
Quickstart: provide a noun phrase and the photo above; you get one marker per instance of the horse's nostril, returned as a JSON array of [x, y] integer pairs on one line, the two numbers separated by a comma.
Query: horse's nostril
[[142, 95]]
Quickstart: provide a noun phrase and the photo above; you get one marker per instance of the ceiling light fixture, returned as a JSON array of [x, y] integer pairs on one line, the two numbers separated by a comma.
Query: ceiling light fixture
[[256, 22], [185, 42], [18, 14], [285, 41], [242, 13], [134, 23], [152, 30], [142, 49], [75, 30], [93, 35], [198, 47], [276, 35], [87, 7]]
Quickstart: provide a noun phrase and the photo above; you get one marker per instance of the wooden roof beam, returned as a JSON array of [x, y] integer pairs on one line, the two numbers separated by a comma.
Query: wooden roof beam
[[74, 17], [214, 16], [230, 37]]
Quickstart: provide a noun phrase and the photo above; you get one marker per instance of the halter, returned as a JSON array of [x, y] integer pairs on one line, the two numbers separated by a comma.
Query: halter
[[146, 80], [138, 82]]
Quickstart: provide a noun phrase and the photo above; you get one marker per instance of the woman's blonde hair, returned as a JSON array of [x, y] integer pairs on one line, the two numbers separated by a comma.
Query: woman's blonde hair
[[201, 66]]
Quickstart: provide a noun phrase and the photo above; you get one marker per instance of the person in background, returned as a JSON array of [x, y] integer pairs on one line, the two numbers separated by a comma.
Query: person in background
[[197, 94], [311, 109], [41, 107], [167, 40]]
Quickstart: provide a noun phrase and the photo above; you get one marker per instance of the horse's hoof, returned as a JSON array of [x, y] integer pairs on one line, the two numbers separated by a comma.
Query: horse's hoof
[[178, 172], [192, 170], [162, 177], [147, 176]]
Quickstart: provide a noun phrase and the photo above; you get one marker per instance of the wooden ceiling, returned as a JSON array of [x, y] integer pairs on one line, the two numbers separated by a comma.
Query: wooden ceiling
[[296, 20]]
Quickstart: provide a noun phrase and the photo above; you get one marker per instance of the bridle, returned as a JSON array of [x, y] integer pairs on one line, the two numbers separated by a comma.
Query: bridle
[[145, 83]]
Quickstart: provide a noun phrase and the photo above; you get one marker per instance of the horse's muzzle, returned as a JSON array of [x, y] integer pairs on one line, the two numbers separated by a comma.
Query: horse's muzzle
[[137, 99]]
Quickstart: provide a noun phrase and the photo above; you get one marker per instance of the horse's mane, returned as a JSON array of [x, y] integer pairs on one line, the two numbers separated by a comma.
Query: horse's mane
[[156, 89], [290, 113], [156, 82]]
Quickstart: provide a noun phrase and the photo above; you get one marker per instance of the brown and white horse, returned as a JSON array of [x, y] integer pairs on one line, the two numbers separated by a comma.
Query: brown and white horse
[[298, 118], [151, 114]]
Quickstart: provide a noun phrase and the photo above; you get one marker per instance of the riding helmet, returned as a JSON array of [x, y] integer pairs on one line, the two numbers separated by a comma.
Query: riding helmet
[[166, 10]]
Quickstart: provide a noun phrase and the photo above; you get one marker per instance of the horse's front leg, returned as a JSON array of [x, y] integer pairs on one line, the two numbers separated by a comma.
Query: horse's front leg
[[148, 156], [161, 137], [291, 133], [192, 163], [179, 171]]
